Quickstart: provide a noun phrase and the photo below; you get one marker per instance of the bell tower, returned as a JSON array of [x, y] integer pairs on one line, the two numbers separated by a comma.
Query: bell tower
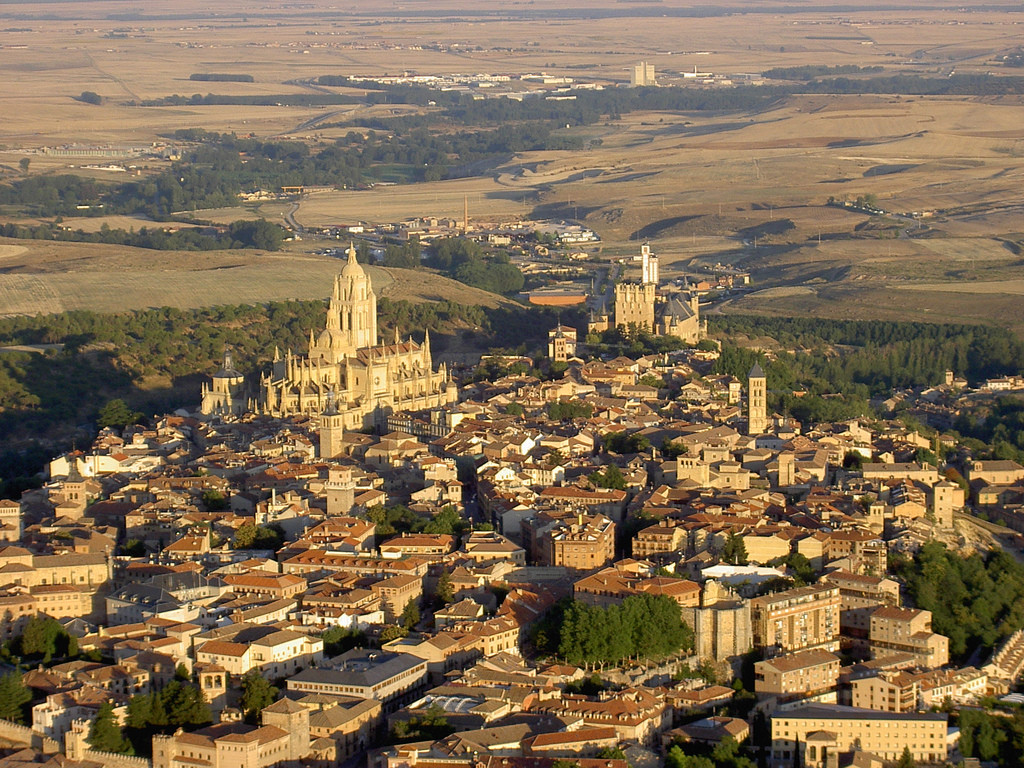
[[332, 429]]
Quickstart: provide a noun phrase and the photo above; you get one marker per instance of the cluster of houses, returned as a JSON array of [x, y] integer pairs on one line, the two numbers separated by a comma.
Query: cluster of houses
[[220, 547]]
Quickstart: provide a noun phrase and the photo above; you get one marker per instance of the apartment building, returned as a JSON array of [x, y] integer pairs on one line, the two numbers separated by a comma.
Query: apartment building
[[859, 596], [804, 673], [796, 619], [897, 691], [907, 630]]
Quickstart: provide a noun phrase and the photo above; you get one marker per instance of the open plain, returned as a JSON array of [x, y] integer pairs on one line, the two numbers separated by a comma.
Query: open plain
[[746, 188]]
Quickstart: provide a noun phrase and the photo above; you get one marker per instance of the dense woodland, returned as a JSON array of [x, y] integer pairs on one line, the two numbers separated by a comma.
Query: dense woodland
[[976, 601], [842, 364]]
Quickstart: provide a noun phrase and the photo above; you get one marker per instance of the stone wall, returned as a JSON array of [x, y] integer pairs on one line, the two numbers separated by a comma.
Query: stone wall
[[21, 734]]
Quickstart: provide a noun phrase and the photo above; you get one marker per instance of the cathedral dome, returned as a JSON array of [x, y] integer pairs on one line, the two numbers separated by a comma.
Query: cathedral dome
[[352, 269], [331, 338]]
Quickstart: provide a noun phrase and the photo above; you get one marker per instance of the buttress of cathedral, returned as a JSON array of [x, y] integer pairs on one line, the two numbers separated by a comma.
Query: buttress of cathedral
[[638, 303], [344, 367]]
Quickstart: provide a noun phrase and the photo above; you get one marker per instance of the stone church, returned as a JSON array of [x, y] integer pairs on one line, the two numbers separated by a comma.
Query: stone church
[[345, 368]]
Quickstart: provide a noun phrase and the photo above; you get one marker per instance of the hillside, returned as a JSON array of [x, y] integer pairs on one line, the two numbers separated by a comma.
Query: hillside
[[47, 277]]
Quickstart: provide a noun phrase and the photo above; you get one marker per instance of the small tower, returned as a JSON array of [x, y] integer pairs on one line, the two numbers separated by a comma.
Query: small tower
[[787, 469], [213, 682], [556, 345], [451, 391], [332, 429], [947, 498], [340, 489], [226, 393], [294, 719], [10, 520], [757, 401], [648, 265]]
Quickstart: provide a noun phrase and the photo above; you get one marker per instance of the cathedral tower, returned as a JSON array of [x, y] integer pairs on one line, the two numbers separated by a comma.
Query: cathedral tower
[[351, 316]]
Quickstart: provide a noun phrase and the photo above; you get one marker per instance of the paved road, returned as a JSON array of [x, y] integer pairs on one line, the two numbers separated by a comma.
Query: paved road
[[289, 219]]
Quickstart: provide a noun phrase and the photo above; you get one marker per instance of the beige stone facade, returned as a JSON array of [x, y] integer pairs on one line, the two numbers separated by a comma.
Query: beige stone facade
[[907, 630], [797, 674], [581, 544], [823, 731]]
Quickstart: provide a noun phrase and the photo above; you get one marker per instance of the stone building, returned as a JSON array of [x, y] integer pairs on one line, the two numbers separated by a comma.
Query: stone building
[[10, 520], [562, 343], [283, 738], [637, 304], [757, 401], [344, 368], [583, 543], [822, 732]]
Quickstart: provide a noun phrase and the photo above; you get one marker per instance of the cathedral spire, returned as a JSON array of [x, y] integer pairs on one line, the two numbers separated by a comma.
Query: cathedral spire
[[398, 339], [351, 252]]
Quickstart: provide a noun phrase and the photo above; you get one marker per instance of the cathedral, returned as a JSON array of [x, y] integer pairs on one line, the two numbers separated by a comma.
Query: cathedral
[[345, 370]]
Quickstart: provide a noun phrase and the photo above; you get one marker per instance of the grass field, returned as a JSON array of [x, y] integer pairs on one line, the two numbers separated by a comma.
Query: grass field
[[56, 277]]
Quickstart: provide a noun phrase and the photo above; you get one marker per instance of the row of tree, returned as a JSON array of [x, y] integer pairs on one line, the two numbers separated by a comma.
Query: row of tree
[[641, 627], [258, 233]]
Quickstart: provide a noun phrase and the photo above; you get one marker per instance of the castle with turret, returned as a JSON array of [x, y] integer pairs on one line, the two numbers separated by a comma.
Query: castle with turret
[[638, 304], [345, 369]]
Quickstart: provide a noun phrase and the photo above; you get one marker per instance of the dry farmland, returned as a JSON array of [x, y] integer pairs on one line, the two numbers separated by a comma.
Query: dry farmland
[[747, 189]]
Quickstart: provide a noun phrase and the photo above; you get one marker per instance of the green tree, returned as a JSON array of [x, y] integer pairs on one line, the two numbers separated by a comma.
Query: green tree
[[431, 723], [133, 548], [514, 409], [24, 164], [392, 632], [906, 759], [611, 477], [13, 697], [677, 758], [338, 640], [184, 704], [445, 591], [257, 693], [410, 615], [735, 551], [116, 413], [215, 501], [43, 636], [251, 536], [447, 521], [105, 732]]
